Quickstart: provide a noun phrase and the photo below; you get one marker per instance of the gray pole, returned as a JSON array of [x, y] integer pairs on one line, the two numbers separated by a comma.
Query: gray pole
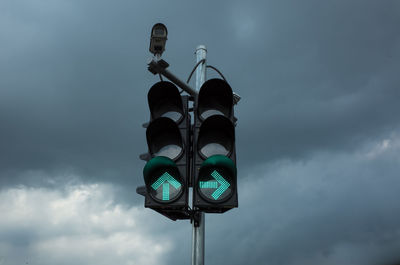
[[201, 53], [198, 231]]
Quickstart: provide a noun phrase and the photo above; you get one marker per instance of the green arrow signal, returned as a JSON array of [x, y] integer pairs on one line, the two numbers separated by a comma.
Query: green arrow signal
[[165, 180], [165, 191], [166, 177], [212, 184], [224, 185]]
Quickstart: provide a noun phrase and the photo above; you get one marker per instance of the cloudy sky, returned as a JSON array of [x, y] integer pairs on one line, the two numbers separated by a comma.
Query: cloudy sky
[[318, 134]]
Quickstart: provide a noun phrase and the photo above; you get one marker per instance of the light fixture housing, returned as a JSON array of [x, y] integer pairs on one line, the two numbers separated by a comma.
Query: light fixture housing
[[158, 39]]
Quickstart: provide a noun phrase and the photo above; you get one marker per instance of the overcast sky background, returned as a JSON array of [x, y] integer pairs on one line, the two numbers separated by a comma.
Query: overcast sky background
[[318, 134]]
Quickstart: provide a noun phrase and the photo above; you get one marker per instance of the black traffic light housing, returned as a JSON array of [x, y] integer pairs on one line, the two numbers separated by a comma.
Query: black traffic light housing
[[167, 171], [214, 151]]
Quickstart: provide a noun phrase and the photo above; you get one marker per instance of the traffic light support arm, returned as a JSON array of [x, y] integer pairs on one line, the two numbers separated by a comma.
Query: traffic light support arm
[[160, 67]]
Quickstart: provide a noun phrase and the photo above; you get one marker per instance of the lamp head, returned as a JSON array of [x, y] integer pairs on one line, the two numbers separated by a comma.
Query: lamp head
[[158, 39]]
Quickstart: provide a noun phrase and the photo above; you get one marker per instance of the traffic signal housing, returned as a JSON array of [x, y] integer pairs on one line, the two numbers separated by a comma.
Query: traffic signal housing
[[166, 173], [214, 151]]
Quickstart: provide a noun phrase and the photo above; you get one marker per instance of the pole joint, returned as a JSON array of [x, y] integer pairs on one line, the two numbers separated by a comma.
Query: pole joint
[[160, 67], [195, 218]]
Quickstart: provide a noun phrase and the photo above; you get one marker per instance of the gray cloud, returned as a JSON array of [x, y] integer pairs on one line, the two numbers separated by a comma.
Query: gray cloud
[[329, 209], [312, 76], [320, 80], [83, 224], [319, 85]]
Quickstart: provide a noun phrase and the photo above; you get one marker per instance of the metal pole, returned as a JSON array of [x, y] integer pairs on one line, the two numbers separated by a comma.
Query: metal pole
[[198, 231], [201, 53]]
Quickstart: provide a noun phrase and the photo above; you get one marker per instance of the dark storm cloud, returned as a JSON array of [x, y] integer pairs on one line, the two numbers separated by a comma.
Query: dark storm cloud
[[312, 76], [319, 84], [74, 84], [69, 91], [322, 78], [331, 209]]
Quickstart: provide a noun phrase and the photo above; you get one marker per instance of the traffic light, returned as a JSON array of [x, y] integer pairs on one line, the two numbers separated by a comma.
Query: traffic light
[[168, 138], [214, 152]]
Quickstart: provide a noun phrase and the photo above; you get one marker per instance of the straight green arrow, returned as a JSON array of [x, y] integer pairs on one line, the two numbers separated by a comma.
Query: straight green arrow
[[166, 177], [165, 191], [165, 180]]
